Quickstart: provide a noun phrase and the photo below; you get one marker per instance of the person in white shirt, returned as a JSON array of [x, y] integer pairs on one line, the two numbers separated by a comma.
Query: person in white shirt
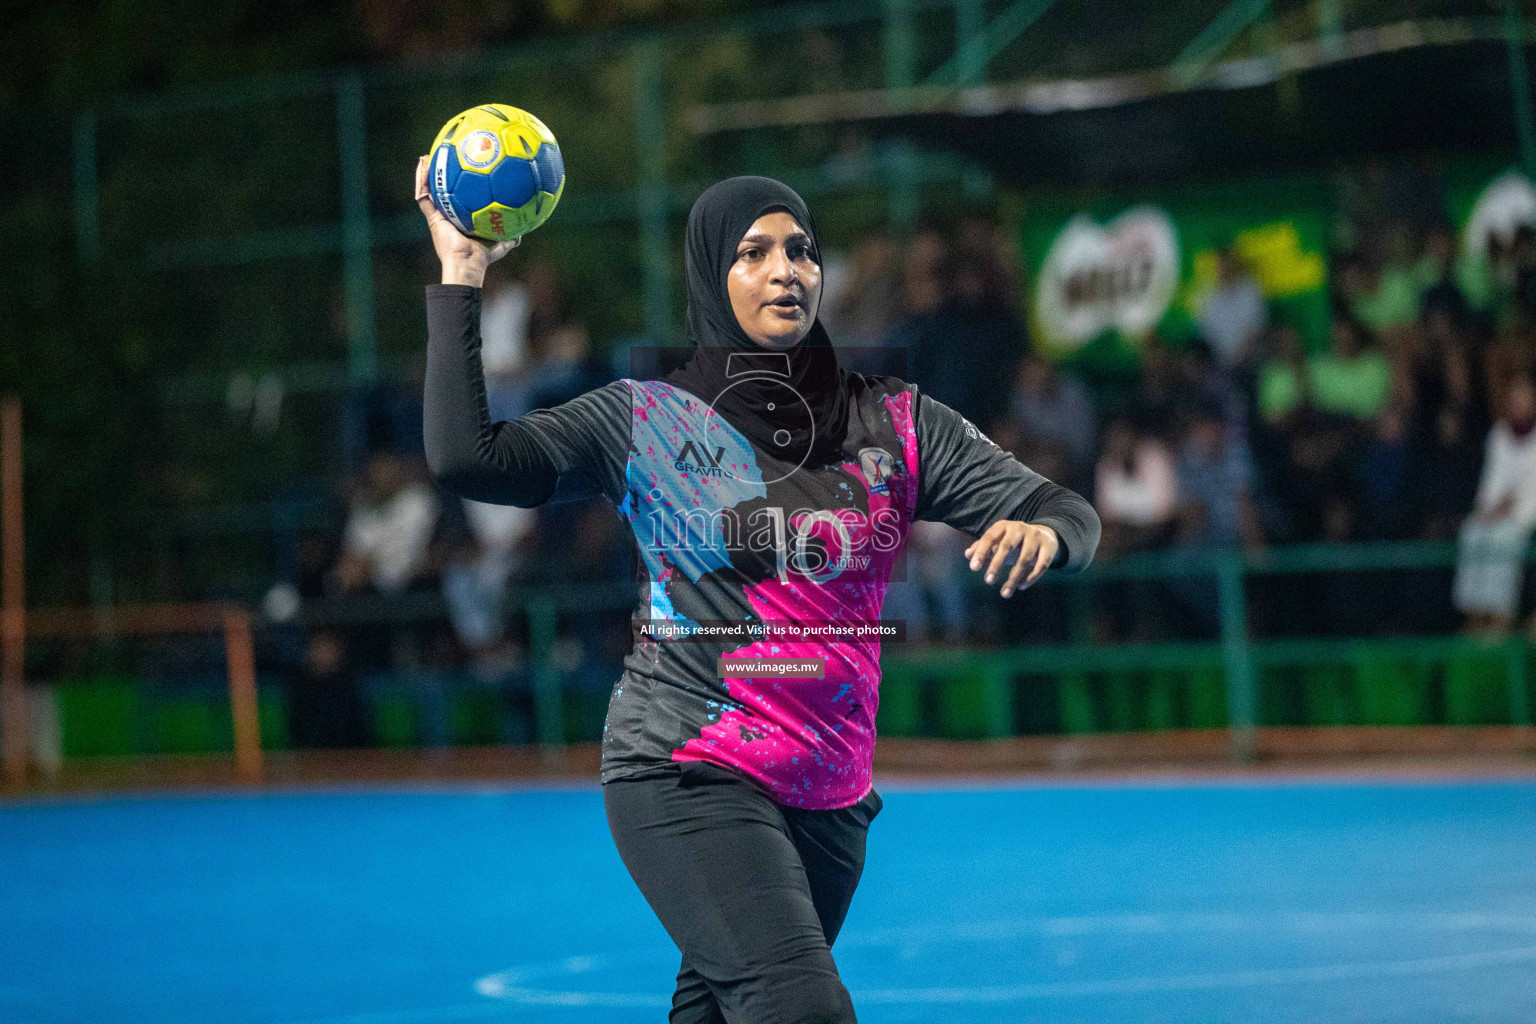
[[1136, 489], [475, 578], [384, 545], [1493, 541], [1233, 314]]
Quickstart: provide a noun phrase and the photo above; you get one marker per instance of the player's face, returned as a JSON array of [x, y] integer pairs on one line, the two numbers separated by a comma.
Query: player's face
[[775, 281]]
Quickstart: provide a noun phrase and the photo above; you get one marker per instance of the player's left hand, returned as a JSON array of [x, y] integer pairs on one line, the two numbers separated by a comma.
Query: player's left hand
[[464, 258], [1033, 546]]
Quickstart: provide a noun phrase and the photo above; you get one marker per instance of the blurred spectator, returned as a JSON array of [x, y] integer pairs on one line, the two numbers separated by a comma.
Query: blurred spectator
[[1136, 490], [1161, 392], [955, 345], [1440, 296], [1301, 449], [478, 568], [1233, 315], [1450, 414], [1381, 474], [1493, 541], [1353, 378], [1522, 269], [922, 272], [1216, 509], [1283, 379], [1053, 407], [505, 310], [931, 597], [325, 706], [1215, 485], [531, 345], [1381, 299], [560, 370], [389, 528], [1205, 381], [862, 301]]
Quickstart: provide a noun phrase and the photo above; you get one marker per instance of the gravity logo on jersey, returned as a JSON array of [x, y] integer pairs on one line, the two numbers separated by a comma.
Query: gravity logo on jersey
[[878, 467], [697, 466], [479, 149]]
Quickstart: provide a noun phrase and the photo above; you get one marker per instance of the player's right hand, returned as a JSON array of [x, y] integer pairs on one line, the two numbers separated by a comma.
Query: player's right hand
[[464, 259]]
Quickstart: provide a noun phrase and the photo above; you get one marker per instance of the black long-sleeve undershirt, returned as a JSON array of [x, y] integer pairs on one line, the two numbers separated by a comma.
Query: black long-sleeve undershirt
[[502, 463]]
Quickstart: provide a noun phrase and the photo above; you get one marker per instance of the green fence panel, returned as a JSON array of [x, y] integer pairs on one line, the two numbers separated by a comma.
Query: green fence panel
[[1330, 696], [1162, 710], [901, 705], [1281, 691], [1393, 692], [964, 708], [1207, 699], [582, 715], [394, 721], [1077, 710], [1118, 698], [191, 724], [1476, 689], [99, 717], [474, 719], [272, 717]]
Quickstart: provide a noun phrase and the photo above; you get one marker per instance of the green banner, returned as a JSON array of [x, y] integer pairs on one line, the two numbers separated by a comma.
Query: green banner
[[1106, 271]]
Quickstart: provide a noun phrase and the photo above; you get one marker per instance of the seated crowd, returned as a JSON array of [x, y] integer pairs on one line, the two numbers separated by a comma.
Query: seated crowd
[[1415, 422]]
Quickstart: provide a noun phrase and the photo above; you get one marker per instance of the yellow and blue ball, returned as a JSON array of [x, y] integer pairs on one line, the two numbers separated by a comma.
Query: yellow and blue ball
[[496, 172]]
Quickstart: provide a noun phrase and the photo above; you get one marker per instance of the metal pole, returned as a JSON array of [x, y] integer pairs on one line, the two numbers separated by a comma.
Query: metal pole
[[899, 44], [87, 191], [13, 694], [1519, 681], [997, 697], [970, 21], [241, 653], [1330, 26], [651, 143], [1520, 82], [1191, 63], [1236, 655], [981, 43], [899, 41], [356, 228], [548, 707]]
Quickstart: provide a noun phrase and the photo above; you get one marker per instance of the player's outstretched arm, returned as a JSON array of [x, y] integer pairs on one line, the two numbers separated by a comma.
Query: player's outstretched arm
[[574, 450], [1015, 513]]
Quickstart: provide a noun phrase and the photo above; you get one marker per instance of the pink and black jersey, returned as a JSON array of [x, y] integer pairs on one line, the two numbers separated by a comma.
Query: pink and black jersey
[[728, 537]]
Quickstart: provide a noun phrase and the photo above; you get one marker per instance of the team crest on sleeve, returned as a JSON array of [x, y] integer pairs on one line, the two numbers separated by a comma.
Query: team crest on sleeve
[[878, 467], [974, 432]]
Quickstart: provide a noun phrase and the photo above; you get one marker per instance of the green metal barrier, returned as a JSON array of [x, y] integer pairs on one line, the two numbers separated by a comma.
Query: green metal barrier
[[1231, 681], [1121, 687]]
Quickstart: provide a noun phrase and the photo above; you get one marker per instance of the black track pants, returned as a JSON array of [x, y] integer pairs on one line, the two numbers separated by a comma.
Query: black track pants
[[753, 892]]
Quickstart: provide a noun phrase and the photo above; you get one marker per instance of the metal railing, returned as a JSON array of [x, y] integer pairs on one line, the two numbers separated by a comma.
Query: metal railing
[[1235, 654], [993, 688]]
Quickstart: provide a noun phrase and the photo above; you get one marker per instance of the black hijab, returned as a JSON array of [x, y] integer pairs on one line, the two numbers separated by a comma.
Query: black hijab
[[756, 391]]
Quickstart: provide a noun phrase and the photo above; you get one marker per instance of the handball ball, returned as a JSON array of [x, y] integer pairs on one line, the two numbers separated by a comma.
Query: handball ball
[[496, 172]]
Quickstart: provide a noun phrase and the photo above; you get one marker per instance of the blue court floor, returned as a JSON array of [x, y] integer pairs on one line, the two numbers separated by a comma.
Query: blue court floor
[[1242, 902]]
